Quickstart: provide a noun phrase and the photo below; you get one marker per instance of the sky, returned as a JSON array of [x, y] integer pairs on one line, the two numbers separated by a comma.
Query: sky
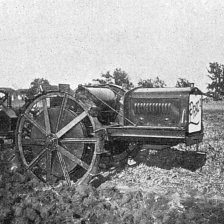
[[74, 41]]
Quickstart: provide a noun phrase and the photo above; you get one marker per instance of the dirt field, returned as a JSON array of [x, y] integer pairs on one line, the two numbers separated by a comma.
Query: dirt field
[[178, 185], [213, 106]]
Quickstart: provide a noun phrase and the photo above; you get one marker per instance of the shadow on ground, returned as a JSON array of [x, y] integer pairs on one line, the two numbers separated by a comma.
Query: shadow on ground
[[167, 158], [170, 158]]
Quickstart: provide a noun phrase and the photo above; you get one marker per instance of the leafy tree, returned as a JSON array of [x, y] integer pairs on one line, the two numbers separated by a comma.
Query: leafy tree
[[146, 83], [121, 78], [158, 83], [36, 86], [149, 83], [216, 72], [181, 82], [118, 77], [107, 78]]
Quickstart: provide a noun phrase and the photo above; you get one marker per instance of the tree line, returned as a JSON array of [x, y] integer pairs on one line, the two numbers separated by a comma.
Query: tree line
[[121, 78]]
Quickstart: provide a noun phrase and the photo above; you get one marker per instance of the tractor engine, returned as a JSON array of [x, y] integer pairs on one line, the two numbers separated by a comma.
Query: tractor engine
[[163, 116], [104, 101]]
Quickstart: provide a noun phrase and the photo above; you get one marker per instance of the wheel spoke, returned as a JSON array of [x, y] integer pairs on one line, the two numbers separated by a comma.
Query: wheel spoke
[[37, 159], [82, 140], [72, 157], [63, 105], [32, 121], [64, 168], [71, 124], [48, 165], [39, 142], [46, 117]]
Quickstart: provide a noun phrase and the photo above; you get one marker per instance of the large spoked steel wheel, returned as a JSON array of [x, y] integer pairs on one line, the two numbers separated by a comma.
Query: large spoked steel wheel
[[55, 139]]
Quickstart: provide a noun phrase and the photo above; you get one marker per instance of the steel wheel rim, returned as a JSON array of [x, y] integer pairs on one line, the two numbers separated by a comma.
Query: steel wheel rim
[[54, 142]]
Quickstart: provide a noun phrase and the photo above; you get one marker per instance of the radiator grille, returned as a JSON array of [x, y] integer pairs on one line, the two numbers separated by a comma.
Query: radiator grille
[[141, 108]]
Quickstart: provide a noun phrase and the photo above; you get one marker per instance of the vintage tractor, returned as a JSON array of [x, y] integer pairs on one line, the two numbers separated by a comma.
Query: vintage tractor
[[65, 134]]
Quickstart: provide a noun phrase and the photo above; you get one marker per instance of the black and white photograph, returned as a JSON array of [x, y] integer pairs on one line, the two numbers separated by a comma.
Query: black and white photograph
[[111, 112]]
